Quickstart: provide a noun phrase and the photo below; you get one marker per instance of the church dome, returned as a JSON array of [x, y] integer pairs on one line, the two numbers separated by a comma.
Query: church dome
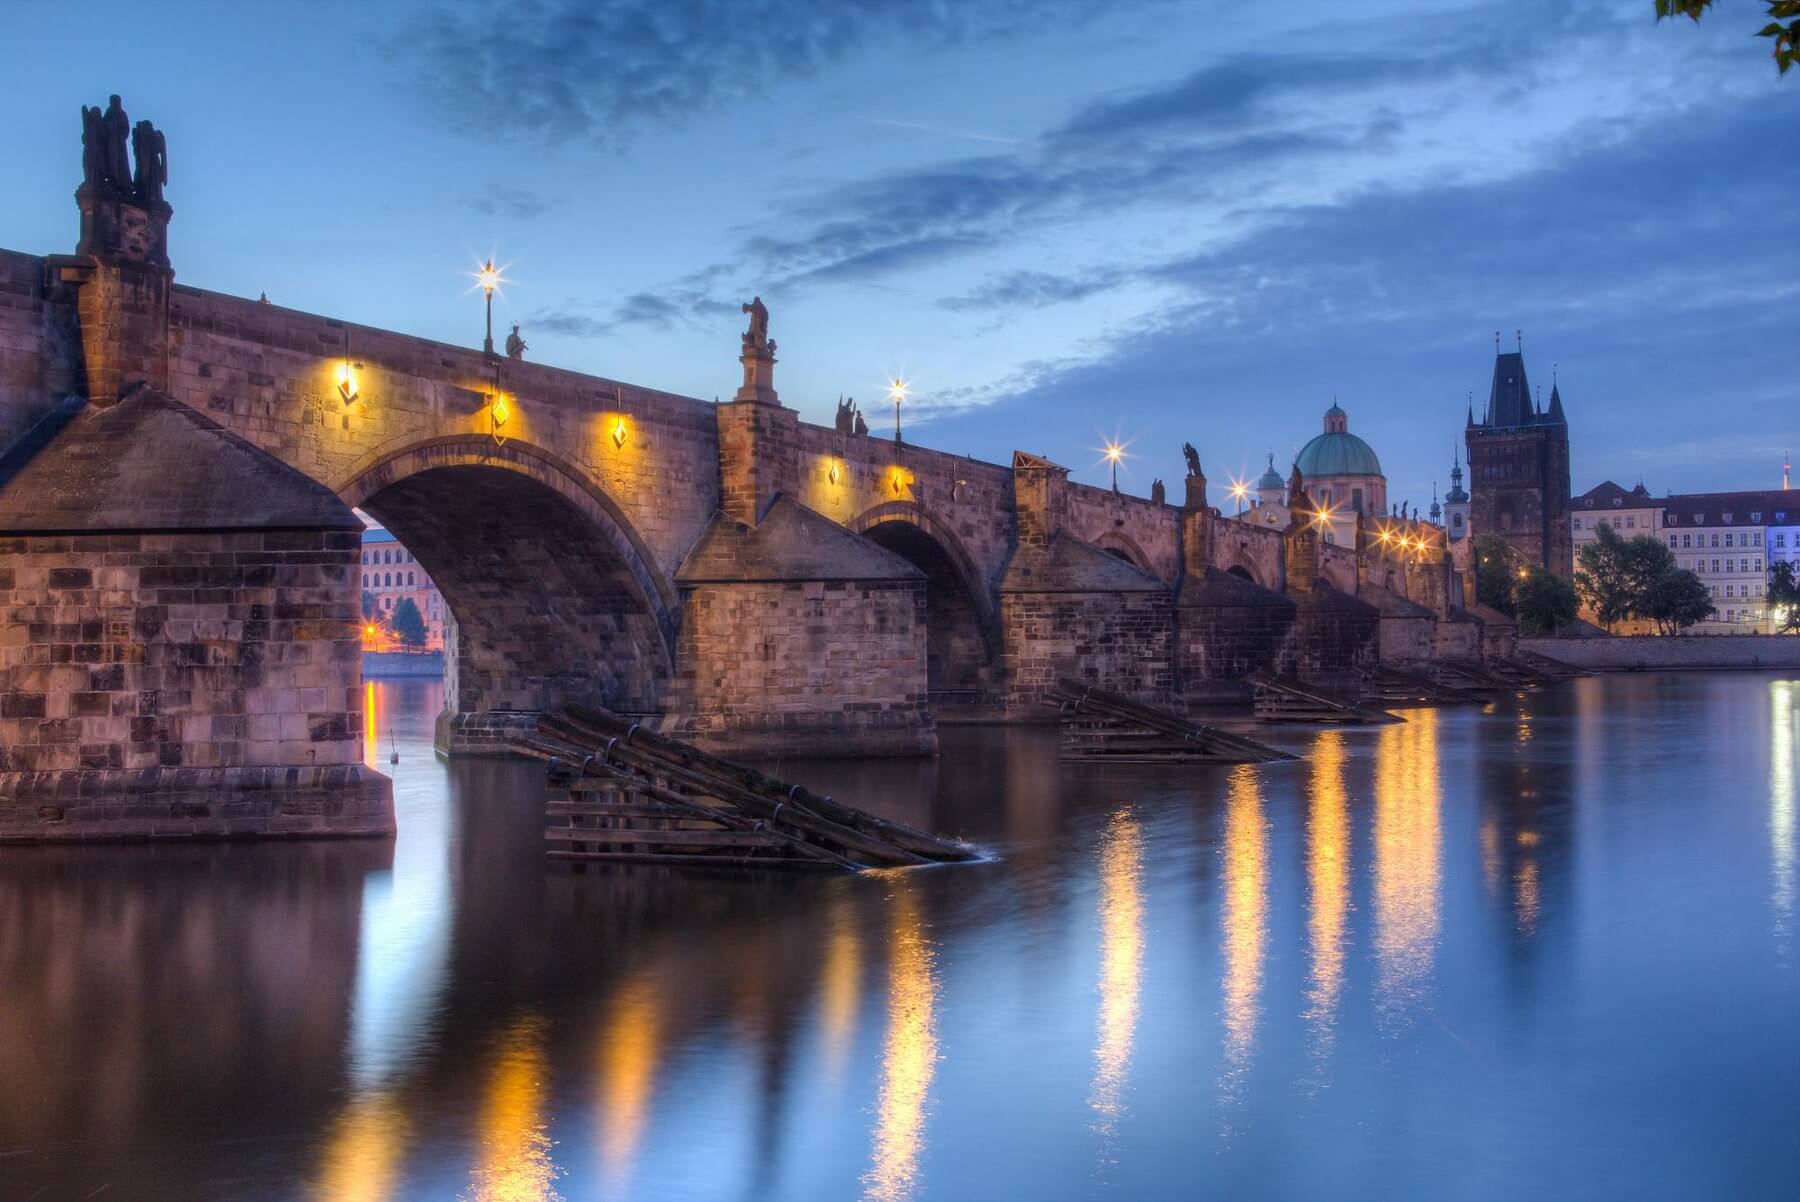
[[1337, 452], [1337, 455], [1271, 479]]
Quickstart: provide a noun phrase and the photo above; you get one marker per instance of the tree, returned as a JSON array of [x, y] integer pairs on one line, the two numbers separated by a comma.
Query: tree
[[1786, 38], [1545, 601], [1676, 600], [1784, 597], [1603, 577], [408, 623], [369, 604], [1494, 572]]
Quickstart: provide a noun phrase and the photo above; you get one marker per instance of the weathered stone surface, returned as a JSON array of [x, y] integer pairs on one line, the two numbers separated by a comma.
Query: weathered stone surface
[[1228, 627]]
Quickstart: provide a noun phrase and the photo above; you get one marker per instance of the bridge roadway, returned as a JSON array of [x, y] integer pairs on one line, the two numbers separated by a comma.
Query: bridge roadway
[[181, 582]]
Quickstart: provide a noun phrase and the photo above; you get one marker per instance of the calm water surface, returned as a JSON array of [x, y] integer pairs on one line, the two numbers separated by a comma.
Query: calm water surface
[[1547, 950]]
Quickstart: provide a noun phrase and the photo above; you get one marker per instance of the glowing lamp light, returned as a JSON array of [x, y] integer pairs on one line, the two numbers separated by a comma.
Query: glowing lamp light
[[488, 278], [346, 381], [618, 433], [831, 473], [897, 481], [499, 415]]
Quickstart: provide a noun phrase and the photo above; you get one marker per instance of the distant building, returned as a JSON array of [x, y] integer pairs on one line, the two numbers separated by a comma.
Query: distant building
[[1728, 539], [1270, 507], [1342, 476], [391, 574], [1519, 469]]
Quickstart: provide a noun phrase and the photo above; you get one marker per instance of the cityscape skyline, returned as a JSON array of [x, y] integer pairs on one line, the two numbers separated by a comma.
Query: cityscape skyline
[[1171, 248]]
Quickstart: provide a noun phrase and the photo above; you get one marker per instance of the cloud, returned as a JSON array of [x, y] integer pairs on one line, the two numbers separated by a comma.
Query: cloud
[[562, 69], [1033, 290], [516, 204], [1652, 267], [654, 310]]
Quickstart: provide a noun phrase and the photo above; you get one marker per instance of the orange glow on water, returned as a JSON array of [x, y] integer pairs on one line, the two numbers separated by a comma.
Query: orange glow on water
[[909, 1056], [515, 1163], [1245, 916], [629, 1050], [369, 727], [1121, 964], [364, 1150], [1407, 861], [1328, 882], [840, 986]]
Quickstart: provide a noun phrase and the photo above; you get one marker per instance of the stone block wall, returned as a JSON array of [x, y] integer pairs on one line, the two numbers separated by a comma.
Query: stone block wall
[[1334, 635], [1456, 637], [1405, 638], [40, 355], [1227, 628], [1118, 641], [183, 684], [1150, 533], [804, 668]]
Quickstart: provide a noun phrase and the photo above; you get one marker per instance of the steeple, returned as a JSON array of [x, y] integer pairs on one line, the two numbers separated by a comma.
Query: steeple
[[1437, 511], [1555, 416], [1509, 400]]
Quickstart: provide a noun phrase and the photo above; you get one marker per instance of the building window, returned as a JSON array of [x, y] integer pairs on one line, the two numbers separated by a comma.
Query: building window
[[1715, 541], [1758, 566], [1727, 518], [1671, 540], [1731, 590], [1715, 566], [1631, 523], [1755, 516], [1456, 522], [1687, 540], [409, 579], [1781, 538], [1577, 523], [1356, 499]]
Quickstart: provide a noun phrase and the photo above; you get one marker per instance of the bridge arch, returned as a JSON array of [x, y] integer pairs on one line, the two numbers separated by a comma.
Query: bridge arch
[[552, 595], [962, 628], [1122, 545]]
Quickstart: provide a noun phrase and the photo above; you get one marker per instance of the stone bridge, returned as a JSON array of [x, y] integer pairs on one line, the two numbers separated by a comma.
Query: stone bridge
[[180, 588]]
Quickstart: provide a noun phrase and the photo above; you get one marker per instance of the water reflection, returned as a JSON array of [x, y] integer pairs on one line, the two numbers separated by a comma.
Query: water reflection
[[1121, 964], [1328, 883], [1245, 919], [1784, 720], [909, 1056], [840, 984], [1407, 870], [629, 1047], [365, 1149], [514, 1162]]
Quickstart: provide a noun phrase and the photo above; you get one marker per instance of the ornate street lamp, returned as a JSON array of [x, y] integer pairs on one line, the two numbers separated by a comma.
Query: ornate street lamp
[[896, 393], [1239, 490], [489, 278], [1114, 453]]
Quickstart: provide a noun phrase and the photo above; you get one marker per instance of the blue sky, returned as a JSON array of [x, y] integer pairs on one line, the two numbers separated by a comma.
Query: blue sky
[[1063, 221]]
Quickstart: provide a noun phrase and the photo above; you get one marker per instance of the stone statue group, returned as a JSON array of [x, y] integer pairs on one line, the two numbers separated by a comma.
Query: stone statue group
[[850, 418], [103, 158]]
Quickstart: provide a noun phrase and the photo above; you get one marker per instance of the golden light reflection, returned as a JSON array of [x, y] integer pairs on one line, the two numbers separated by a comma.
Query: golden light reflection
[[1490, 854], [1407, 869], [1121, 964], [909, 1056], [840, 986], [899, 480], [1525, 896], [1328, 880], [1784, 744], [370, 730], [629, 1046], [515, 1163], [618, 432], [364, 1150], [1245, 917]]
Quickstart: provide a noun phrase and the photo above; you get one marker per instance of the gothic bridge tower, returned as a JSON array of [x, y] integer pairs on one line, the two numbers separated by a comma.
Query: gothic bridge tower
[[1519, 469]]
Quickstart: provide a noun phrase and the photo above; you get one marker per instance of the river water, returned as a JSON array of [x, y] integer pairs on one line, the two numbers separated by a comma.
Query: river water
[[1545, 949]]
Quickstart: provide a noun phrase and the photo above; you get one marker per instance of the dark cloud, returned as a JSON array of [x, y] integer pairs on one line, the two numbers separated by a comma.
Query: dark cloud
[[1651, 267], [655, 310], [1032, 290], [558, 69], [517, 204]]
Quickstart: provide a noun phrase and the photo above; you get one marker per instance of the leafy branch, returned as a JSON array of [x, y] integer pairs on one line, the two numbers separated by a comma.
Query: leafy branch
[[1786, 37]]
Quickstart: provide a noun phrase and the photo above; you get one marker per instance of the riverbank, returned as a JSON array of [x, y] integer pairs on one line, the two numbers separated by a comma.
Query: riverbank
[[1681, 653], [390, 665]]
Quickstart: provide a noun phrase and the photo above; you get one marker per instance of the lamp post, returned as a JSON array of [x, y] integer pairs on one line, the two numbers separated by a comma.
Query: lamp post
[[488, 279], [1114, 453], [897, 393], [1239, 490]]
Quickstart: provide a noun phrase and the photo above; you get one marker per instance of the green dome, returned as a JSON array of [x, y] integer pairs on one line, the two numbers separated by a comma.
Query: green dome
[[1271, 478], [1340, 453]]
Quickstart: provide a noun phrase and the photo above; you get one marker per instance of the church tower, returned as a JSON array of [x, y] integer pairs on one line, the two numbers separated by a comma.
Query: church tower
[[1519, 469], [1456, 503]]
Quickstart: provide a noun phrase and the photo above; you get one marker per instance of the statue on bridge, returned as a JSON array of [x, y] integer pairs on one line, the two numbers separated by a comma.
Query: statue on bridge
[[1157, 493], [756, 338], [515, 345], [151, 150], [1193, 458], [849, 420]]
